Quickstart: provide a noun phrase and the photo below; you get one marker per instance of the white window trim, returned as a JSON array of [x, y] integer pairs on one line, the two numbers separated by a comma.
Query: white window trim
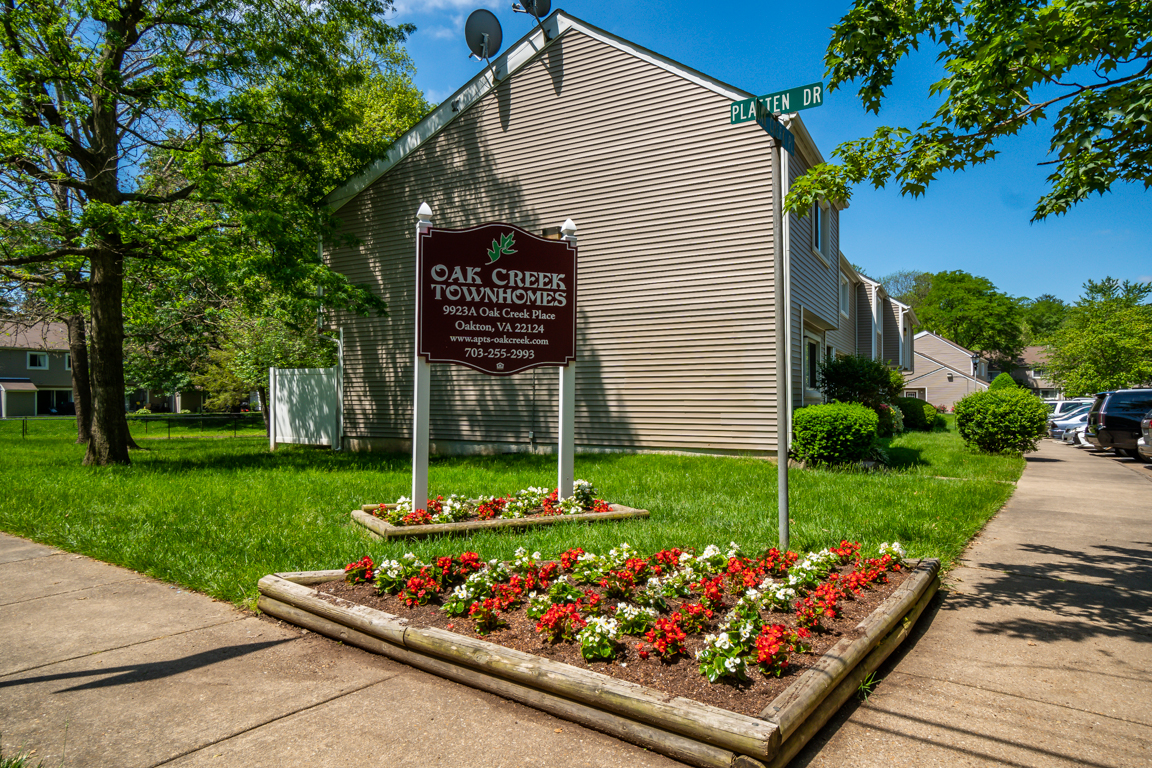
[[67, 361], [28, 361], [844, 296]]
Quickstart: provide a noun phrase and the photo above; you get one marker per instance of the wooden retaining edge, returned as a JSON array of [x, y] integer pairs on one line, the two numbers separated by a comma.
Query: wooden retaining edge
[[673, 745], [849, 685], [388, 531], [792, 708], [729, 731]]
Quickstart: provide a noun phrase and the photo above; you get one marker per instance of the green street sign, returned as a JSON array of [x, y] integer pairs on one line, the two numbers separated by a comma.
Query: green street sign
[[779, 103]]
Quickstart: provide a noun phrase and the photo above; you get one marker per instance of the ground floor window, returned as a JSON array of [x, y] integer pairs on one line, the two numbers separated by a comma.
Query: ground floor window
[[917, 393], [55, 402]]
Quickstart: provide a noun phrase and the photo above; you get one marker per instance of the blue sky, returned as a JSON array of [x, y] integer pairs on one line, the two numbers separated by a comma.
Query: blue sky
[[977, 220]]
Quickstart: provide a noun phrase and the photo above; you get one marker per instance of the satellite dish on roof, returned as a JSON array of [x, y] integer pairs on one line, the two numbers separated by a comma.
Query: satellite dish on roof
[[483, 34], [538, 8]]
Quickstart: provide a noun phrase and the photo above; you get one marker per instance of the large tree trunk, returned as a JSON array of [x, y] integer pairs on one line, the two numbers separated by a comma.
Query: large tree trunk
[[110, 438], [81, 380]]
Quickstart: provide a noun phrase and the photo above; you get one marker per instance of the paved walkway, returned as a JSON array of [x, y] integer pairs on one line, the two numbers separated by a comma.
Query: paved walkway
[[1040, 653], [1037, 657]]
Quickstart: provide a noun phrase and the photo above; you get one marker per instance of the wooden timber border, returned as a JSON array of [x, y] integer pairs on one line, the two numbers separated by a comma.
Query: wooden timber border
[[686, 730], [386, 530]]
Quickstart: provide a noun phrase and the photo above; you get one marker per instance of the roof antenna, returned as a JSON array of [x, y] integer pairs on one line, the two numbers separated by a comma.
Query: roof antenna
[[483, 34], [536, 9]]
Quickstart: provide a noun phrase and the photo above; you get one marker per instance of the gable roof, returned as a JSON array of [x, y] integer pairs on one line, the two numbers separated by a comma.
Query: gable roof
[[49, 337], [966, 351], [942, 366], [518, 55]]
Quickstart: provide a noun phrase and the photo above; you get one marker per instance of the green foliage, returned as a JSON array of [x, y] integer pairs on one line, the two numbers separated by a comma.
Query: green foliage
[[890, 420], [833, 433], [970, 311], [1106, 341], [1003, 381], [858, 379], [933, 417], [1076, 68], [916, 413], [1002, 420], [1042, 316], [909, 286]]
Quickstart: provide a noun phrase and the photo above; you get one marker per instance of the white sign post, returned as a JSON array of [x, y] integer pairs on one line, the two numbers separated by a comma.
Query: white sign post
[[567, 445], [422, 389]]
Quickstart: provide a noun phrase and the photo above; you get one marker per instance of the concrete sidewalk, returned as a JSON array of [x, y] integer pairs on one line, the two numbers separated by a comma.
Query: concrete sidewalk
[[1040, 655], [1040, 651]]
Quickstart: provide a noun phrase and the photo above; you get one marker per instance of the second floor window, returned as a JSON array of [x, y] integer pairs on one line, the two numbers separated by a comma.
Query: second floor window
[[37, 361]]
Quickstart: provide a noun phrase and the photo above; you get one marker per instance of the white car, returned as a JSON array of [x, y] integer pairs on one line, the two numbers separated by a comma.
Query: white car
[[1061, 407]]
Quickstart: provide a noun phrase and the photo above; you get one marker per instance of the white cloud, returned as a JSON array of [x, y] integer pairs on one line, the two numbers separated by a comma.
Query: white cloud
[[1142, 278]]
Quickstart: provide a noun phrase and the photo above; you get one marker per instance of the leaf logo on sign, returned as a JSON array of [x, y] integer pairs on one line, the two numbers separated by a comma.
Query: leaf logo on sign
[[501, 247]]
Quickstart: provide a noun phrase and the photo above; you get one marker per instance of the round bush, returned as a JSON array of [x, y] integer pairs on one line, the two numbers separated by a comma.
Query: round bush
[[1002, 420], [1003, 381], [916, 413], [890, 420], [834, 433], [932, 416]]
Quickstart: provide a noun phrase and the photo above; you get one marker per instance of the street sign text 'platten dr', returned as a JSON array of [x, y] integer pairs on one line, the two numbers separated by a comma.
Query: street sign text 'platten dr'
[[779, 103]]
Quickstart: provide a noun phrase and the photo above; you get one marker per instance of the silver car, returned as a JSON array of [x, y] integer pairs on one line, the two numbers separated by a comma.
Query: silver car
[[1058, 425]]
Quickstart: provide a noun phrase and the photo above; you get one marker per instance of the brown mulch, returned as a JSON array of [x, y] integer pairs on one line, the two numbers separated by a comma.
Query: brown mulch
[[679, 677]]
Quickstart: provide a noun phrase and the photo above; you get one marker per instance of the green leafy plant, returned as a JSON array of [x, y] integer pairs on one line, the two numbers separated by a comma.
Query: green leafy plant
[[1003, 381], [834, 433], [858, 379], [1002, 420], [867, 686], [918, 415]]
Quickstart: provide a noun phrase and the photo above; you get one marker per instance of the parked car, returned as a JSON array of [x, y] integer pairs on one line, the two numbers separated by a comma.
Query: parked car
[[1059, 425], [1061, 407], [1144, 444], [1075, 436], [1114, 421]]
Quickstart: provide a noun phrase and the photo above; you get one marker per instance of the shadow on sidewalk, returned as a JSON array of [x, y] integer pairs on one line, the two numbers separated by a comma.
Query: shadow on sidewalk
[[1107, 590], [145, 672]]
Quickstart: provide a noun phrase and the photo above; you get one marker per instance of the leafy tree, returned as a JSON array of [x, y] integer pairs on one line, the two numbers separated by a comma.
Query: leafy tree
[[1106, 341], [1043, 316], [145, 131], [909, 286], [1003, 381], [1079, 68], [971, 312]]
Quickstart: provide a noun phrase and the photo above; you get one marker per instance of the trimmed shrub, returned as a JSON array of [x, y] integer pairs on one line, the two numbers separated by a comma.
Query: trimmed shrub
[[1002, 420], [890, 420], [833, 433], [1003, 381], [932, 417], [916, 413]]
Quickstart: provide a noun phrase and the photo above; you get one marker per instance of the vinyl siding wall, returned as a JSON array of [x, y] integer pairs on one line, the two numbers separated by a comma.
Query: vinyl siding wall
[[864, 320], [675, 303], [815, 284], [938, 349], [933, 378], [14, 364], [891, 314], [844, 337]]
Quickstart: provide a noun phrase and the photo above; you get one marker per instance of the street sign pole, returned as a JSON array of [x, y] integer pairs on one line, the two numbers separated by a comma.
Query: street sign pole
[[782, 347]]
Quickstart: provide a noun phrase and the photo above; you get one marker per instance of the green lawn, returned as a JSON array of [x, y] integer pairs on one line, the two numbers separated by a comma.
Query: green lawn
[[216, 515]]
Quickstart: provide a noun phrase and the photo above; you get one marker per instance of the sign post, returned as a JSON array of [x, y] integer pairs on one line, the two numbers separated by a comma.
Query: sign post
[[499, 300]]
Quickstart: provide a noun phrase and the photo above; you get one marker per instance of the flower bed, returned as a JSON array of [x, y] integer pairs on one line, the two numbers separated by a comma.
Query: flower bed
[[528, 507], [723, 638]]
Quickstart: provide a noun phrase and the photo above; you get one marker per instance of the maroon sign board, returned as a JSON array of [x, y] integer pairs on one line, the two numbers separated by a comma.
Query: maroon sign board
[[495, 298]]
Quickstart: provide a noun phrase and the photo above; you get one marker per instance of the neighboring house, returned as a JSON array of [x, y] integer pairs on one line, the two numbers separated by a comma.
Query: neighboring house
[[1030, 371], [676, 307], [943, 371], [35, 370]]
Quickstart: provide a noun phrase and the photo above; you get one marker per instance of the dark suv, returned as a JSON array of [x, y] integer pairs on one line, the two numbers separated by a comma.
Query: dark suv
[[1114, 421]]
